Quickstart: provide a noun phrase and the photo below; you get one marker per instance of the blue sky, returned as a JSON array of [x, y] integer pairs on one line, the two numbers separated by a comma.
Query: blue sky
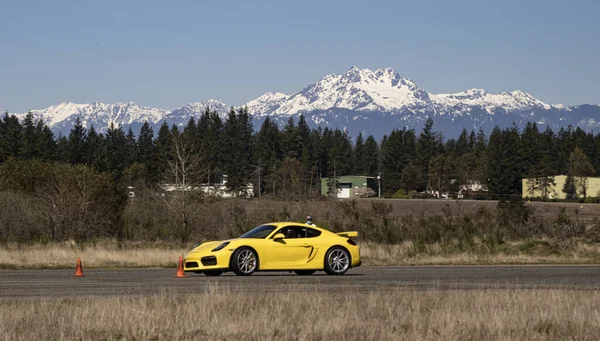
[[168, 53]]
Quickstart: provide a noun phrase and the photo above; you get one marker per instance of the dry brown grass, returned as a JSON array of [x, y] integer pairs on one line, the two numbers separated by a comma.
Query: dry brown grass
[[536, 252], [393, 315], [103, 255], [108, 255]]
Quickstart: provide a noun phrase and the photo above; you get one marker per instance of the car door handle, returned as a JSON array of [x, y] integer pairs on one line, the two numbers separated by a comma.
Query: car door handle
[[306, 245]]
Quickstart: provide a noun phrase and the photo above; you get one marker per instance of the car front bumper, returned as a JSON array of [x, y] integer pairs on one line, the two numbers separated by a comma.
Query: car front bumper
[[203, 261]]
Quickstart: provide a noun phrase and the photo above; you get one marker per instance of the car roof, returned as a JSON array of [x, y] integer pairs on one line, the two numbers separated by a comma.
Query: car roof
[[285, 223]]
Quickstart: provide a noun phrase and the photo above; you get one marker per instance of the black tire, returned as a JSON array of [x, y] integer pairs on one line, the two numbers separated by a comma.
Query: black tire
[[337, 261], [244, 261], [212, 273], [304, 272]]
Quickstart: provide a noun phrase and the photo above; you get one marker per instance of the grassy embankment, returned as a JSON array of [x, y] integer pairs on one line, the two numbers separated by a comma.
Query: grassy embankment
[[107, 255]]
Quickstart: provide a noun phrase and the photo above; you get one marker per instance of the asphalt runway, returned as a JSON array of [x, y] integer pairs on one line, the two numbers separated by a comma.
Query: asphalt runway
[[125, 282]]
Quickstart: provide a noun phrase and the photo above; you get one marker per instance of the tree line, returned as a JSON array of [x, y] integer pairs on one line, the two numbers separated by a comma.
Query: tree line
[[290, 161]]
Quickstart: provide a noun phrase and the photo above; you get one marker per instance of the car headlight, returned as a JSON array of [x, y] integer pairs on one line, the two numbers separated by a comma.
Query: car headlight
[[220, 247]]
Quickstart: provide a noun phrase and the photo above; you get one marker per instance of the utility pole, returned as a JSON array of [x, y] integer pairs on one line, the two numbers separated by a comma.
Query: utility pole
[[379, 185]]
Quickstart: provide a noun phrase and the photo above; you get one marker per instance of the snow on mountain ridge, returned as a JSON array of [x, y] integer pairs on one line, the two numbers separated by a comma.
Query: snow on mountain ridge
[[357, 95], [355, 89], [385, 90], [102, 114]]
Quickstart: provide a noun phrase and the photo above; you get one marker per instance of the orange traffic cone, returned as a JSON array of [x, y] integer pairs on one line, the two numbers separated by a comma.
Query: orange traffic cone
[[180, 273], [79, 270]]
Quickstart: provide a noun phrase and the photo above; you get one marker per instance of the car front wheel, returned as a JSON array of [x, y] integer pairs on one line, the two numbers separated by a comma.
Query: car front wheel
[[244, 261], [337, 261]]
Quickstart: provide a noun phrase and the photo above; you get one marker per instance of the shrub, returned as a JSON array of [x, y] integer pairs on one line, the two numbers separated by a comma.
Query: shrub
[[400, 194], [72, 202]]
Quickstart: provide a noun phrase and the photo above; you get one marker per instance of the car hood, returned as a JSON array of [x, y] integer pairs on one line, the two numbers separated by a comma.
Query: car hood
[[207, 246]]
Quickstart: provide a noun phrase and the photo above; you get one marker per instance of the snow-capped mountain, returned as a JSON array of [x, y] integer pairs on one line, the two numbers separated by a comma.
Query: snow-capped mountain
[[62, 117], [384, 90], [375, 102], [359, 100]]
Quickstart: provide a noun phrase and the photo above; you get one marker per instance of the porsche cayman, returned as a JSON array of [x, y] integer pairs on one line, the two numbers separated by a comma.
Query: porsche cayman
[[279, 246]]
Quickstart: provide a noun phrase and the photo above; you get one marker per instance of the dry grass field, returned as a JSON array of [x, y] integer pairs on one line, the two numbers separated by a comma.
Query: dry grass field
[[387, 315], [135, 255]]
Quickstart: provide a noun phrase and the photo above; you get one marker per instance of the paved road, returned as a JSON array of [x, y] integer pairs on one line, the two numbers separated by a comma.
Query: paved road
[[60, 283]]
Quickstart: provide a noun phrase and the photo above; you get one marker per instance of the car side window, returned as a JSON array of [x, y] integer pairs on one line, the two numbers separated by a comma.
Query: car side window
[[299, 232], [292, 232], [311, 233]]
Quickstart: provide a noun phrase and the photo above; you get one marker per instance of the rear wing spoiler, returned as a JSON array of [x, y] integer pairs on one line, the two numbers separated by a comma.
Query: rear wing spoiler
[[348, 234]]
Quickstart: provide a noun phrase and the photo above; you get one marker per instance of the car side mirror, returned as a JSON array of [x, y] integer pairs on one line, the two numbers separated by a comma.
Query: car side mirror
[[278, 236]]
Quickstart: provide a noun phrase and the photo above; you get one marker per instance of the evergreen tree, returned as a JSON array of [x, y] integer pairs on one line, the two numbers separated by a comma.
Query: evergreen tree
[[565, 144], [428, 146], [97, 153], [3, 140], [341, 151], [11, 137], [201, 134], [46, 144], [532, 155], [397, 151], [29, 139], [78, 143], [371, 157], [308, 159], [359, 156], [472, 140], [131, 148], [267, 154], [238, 150], [63, 149], [495, 177], [146, 152], [117, 145], [190, 134], [411, 177], [164, 149], [596, 154], [325, 146], [290, 140], [462, 144]]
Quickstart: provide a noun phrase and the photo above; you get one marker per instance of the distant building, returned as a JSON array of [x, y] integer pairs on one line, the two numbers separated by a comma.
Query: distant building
[[352, 186], [556, 191], [217, 189]]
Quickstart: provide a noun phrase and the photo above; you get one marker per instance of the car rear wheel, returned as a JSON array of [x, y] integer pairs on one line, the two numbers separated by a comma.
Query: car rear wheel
[[244, 261], [304, 272], [337, 261], [213, 273]]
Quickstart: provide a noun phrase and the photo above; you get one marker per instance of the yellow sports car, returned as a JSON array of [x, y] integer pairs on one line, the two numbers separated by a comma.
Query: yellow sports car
[[280, 246]]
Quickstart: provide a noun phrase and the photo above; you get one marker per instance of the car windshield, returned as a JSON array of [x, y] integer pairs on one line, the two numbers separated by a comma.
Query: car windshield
[[261, 231]]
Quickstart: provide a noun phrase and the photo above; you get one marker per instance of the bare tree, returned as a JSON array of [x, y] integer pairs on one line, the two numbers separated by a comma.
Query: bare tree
[[184, 175]]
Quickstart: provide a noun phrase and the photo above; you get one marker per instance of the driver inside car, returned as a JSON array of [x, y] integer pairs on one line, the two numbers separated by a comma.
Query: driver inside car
[[290, 233]]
